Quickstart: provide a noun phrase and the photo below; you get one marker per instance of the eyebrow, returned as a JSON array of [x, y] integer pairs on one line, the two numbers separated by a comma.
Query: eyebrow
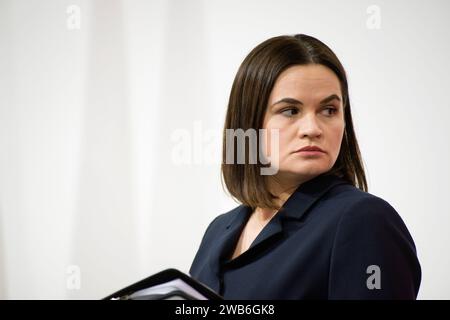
[[295, 101]]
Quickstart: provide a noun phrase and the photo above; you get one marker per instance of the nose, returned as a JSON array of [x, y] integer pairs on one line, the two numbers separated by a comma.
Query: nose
[[309, 127]]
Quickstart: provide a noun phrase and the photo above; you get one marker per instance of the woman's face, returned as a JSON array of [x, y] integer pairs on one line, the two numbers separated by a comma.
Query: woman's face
[[306, 106]]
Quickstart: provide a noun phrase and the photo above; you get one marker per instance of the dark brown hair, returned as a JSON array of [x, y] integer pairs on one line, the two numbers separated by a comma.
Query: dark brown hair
[[247, 106]]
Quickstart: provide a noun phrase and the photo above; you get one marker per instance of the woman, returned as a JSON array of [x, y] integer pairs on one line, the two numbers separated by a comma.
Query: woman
[[309, 230]]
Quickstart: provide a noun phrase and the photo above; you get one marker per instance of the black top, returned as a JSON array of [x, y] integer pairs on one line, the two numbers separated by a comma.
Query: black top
[[330, 241]]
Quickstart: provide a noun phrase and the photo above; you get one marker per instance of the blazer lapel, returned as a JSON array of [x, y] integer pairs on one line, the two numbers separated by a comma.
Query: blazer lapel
[[295, 207], [270, 230], [307, 194], [228, 238]]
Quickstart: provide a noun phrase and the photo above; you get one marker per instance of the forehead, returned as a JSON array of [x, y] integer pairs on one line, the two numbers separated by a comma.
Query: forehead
[[306, 82]]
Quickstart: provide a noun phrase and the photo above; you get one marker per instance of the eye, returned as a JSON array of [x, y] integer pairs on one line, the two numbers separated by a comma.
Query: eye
[[289, 112], [332, 110]]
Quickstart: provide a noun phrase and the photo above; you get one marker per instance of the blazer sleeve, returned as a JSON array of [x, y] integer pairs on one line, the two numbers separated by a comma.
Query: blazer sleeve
[[204, 243], [373, 255]]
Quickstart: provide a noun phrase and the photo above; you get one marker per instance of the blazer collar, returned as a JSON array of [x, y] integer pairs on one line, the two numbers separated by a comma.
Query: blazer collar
[[295, 207], [300, 200], [307, 194]]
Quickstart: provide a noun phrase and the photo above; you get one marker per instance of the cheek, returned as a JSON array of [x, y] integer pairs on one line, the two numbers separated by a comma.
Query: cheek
[[275, 140], [335, 139]]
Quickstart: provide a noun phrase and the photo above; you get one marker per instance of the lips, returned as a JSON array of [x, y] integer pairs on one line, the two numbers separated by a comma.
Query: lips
[[310, 148]]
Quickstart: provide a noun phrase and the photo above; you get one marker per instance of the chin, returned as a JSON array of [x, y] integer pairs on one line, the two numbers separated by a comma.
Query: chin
[[308, 170]]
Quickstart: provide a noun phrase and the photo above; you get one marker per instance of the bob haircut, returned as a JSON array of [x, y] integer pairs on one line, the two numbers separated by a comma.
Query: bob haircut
[[247, 106]]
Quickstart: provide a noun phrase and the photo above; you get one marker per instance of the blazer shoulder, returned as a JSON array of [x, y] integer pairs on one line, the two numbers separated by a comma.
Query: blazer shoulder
[[369, 233], [357, 208], [352, 194], [225, 218], [354, 201], [222, 220], [366, 206]]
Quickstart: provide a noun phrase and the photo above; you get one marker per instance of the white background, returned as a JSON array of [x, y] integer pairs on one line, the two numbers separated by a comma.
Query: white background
[[87, 118]]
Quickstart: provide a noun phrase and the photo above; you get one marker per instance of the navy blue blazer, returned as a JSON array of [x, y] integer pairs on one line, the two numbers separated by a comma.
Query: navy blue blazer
[[330, 241]]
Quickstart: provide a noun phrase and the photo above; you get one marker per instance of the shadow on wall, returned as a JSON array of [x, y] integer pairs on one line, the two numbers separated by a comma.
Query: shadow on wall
[[103, 238], [185, 68]]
